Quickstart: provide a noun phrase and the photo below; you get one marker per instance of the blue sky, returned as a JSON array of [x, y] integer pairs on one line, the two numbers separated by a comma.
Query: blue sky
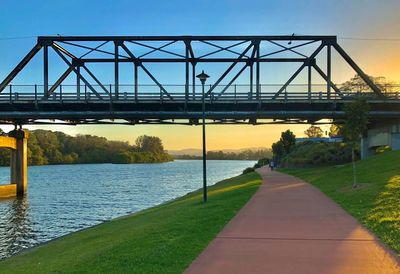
[[346, 19]]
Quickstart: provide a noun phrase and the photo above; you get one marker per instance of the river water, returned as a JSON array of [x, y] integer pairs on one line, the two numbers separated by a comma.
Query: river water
[[65, 198]]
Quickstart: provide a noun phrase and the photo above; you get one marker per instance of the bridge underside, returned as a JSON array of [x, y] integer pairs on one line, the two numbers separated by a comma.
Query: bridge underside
[[227, 112]]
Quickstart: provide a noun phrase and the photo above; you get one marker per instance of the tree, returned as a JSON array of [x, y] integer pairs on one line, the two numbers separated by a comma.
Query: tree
[[288, 140], [355, 125], [335, 131], [357, 84], [314, 132], [149, 144], [278, 149]]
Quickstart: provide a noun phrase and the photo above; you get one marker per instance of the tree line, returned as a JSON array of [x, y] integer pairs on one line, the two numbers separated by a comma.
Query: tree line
[[247, 154], [51, 148]]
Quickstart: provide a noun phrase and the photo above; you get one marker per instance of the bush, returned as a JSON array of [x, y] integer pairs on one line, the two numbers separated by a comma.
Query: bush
[[309, 154], [262, 162], [248, 170]]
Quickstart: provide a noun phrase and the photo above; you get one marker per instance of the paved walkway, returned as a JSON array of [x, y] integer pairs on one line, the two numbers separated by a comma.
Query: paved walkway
[[289, 226]]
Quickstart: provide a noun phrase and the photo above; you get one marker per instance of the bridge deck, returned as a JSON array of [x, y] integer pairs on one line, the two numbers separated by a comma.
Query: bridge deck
[[90, 108]]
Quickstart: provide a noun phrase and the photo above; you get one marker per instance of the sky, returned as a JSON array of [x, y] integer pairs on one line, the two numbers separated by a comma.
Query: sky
[[369, 30]]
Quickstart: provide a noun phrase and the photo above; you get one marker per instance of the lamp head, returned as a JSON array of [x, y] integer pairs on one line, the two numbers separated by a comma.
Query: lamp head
[[202, 77]]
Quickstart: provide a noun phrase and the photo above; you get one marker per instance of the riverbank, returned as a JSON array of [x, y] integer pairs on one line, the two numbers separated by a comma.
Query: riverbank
[[375, 203], [162, 239]]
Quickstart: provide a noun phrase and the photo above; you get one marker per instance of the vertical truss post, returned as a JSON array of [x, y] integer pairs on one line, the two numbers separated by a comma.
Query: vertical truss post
[[194, 80], [251, 79], [46, 70], [78, 82], [116, 70], [35, 94], [309, 82], [187, 43], [257, 45], [328, 72], [136, 80]]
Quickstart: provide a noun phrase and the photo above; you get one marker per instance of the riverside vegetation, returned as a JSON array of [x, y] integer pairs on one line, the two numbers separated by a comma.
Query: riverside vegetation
[[247, 154], [50, 148]]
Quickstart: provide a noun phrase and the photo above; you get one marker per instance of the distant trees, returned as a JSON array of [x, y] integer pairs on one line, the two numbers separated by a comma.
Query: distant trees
[[243, 155], [314, 132], [221, 155], [47, 147]]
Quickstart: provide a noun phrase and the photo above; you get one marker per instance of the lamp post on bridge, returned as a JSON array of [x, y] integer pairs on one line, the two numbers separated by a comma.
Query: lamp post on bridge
[[203, 78]]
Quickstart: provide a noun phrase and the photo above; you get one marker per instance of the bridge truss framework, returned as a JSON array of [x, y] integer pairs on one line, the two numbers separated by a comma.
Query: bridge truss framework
[[92, 101]]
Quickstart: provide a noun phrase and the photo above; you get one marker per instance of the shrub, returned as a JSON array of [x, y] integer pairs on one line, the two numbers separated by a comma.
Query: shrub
[[248, 170], [309, 154]]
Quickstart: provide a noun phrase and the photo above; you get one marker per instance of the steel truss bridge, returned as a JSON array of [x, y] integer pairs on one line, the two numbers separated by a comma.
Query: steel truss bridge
[[239, 94]]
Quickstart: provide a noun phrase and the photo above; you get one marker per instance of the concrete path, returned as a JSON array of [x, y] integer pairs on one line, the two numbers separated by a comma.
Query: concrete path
[[289, 226]]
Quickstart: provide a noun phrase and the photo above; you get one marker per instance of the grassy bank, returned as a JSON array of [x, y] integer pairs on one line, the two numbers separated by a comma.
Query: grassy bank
[[163, 239], [376, 204]]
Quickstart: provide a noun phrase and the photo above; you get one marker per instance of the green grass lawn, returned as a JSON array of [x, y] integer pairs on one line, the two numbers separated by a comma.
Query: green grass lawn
[[377, 204], [163, 239]]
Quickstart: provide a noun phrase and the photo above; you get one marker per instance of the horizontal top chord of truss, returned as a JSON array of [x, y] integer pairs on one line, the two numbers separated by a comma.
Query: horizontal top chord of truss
[[191, 38], [241, 54]]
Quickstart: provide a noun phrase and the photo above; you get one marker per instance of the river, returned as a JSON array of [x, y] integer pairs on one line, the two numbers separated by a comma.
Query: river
[[65, 198]]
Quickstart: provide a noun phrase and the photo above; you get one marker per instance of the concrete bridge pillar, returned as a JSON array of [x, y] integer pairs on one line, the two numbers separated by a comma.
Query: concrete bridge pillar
[[380, 135], [17, 141], [19, 161]]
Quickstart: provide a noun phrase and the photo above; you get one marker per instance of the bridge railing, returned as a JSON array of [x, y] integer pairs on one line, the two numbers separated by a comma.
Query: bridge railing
[[236, 92]]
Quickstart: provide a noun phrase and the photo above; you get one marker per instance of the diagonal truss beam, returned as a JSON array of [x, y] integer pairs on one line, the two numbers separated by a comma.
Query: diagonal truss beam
[[59, 81], [93, 49], [78, 74], [122, 45], [363, 76], [287, 48], [97, 81], [221, 48], [157, 49], [229, 69], [325, 77], [312, 56], [20, 66], [232, 80], [66, 52]]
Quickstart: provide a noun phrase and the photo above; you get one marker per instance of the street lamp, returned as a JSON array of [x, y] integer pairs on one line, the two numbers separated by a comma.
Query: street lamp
[[203, 77]]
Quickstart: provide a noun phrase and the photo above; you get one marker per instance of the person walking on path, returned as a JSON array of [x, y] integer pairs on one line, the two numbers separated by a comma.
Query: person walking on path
[[271, 165]]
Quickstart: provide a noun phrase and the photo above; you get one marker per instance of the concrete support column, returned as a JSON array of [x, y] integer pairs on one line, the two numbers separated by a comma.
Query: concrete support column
[[364, 147], [395, 137], [19, 161], [13, 163]]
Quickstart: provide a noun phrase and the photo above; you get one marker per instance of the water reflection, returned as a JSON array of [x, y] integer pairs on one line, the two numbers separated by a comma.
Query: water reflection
[[65, 198], [15, 226]]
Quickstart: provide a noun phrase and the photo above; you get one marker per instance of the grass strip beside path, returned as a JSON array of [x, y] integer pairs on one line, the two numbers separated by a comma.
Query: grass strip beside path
[[376, 204], [162, 239]]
